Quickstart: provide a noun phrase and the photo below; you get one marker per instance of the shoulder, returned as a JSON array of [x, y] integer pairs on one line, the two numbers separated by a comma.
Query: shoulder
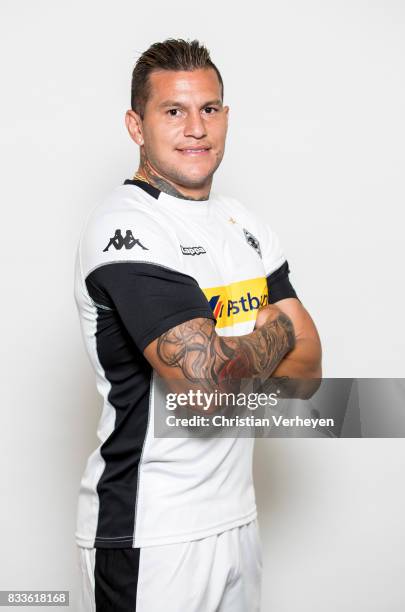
[[124, 227]]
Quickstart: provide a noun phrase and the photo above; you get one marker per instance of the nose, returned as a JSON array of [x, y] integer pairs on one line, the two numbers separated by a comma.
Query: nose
[[194, 125]]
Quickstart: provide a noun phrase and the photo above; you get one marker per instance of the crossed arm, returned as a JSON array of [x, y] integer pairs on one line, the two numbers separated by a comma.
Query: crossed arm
[[304, 361], [284, 344], [301, 368]]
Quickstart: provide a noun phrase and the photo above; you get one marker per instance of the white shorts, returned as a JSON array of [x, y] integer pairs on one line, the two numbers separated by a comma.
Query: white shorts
[[221, 573]]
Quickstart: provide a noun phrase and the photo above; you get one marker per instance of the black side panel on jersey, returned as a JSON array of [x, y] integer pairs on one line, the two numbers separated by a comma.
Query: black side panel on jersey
[[129, 375], [149, 298], [279, 285]]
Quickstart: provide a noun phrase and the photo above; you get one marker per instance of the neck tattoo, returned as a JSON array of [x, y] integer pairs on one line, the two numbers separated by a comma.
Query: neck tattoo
[[153, 179]]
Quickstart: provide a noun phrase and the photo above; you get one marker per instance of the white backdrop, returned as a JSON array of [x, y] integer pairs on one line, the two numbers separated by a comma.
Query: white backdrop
[[316, 145]]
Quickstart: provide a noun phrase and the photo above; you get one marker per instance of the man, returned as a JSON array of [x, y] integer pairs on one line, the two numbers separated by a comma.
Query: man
[[171, 523]]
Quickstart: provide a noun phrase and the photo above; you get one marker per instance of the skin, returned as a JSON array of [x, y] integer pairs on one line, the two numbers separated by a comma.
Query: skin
[[193, 356], [219, 361], [185, 109], [199, 119], [299, 373]]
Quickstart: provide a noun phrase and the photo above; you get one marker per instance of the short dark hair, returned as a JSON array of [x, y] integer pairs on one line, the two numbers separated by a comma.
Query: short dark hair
[[171, 54]]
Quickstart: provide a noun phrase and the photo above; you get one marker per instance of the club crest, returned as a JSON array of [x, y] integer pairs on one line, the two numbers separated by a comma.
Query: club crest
[[253, 241]]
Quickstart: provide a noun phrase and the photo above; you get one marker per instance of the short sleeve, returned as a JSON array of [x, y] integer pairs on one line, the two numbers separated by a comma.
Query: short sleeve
[[131, 266], [279, 285], [149, 298]]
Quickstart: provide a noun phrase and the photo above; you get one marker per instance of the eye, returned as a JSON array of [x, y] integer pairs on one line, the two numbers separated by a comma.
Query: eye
[[172, 112], [212, 108]]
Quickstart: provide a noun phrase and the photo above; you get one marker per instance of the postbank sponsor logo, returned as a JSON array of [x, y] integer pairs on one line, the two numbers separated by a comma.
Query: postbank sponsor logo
[[237, 302]]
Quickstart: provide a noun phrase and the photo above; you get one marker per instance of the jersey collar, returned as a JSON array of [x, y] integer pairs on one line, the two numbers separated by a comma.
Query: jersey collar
[[199, 206], [153, 191]]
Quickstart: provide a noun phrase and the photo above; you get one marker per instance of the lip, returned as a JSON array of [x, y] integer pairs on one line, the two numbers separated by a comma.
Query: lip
[[194, 150]]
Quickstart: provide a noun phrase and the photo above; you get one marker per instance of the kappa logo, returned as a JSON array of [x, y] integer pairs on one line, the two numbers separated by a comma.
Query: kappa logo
[[195, 250], [253, 241], [118, 241]]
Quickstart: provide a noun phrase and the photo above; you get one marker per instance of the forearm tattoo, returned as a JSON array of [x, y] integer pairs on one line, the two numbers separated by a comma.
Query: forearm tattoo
[[218, 361]]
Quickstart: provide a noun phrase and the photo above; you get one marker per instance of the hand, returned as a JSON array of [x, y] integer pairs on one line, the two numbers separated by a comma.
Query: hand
[[272, 322]]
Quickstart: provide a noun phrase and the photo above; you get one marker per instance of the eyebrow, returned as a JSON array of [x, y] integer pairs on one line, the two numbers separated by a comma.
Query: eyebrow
[[167, 103]]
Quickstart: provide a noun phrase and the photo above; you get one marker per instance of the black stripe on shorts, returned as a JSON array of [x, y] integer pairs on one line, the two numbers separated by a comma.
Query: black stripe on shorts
[[116, 579]]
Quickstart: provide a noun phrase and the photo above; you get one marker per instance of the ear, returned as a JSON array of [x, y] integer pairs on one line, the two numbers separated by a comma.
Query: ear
[[226, 111], [133, 122]]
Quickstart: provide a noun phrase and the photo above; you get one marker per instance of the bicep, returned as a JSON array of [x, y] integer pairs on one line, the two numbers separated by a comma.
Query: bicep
[[308, 349], [282, 294], [305, 360], [303, 323]]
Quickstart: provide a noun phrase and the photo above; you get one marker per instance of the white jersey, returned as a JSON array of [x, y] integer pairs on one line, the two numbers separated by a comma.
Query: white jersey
[[146, 262]]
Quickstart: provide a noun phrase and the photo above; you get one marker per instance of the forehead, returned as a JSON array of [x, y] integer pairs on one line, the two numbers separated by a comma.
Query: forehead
[[183, 85]]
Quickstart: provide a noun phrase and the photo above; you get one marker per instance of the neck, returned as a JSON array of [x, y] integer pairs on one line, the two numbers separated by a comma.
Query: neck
[[147, 173]]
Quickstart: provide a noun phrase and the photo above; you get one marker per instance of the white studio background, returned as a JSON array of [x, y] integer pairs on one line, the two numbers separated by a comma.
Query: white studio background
[[316, 145]]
